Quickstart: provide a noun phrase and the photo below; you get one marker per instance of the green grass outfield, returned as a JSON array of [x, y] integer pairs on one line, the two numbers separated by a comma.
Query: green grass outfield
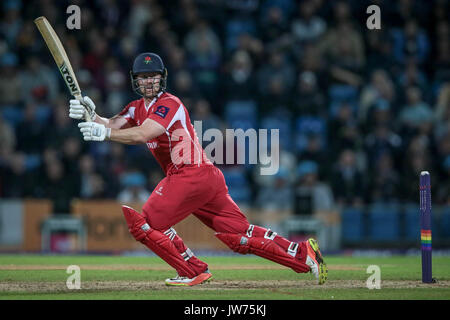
[[235, 278]]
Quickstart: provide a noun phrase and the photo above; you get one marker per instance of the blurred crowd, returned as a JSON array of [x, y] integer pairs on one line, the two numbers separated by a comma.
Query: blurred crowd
[[361, 112]]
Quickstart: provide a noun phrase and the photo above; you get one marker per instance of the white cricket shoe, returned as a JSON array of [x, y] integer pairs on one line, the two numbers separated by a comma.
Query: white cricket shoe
[[185, 281]]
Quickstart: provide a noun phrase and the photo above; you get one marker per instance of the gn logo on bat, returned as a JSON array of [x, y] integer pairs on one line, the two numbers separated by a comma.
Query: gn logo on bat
[[68, 79]]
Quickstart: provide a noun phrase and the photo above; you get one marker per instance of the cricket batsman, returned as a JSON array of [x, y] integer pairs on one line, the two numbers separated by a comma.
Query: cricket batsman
[[192, 185]]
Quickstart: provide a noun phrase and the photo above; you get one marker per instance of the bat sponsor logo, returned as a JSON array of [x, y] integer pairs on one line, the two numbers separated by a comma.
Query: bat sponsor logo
[[68, 78]]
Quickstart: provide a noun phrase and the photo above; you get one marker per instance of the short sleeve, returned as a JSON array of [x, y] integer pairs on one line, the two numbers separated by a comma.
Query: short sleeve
[[164, 112], [128, 113]]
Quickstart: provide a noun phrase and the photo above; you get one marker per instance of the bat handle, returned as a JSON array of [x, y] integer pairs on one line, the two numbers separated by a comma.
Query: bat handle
[[87, 115]]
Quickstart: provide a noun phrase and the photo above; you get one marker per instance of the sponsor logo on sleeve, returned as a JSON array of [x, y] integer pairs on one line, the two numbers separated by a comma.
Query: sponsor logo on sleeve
[[162, 111]]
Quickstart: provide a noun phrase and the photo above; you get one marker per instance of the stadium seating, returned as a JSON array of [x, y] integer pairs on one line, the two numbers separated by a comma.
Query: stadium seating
[[234, 28], [238, 186], [12, 115], [306, 126], [241, 114], [444, 223], [284, 126], [412, 222], [384, 222], [352, 220]]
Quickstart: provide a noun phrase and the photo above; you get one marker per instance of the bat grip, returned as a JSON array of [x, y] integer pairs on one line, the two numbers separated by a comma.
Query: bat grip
[[87, 114]]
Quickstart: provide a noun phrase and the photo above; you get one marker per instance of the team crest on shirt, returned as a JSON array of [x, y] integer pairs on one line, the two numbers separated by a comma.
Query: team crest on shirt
[[162, 111]]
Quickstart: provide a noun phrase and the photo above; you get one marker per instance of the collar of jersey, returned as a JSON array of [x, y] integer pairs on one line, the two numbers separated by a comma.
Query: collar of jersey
[[153, 101]]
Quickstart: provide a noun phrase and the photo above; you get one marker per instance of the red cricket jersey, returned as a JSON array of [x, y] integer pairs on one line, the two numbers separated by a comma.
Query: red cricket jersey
[[179, 146]]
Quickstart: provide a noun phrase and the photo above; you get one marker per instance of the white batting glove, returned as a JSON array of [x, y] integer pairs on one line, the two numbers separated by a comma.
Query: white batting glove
[[77, 109], [93, 131]]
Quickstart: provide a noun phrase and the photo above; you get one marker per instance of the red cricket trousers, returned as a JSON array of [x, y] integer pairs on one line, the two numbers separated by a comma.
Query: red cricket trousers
[[201, 191]]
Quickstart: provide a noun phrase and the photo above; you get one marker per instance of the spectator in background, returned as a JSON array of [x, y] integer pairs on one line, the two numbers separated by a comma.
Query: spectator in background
[[154, 177], [176, 61], [279, 67], [380, 53], [273, 24], [287, 162], [274, 29], [239, 79], [133, 188], [92, 183], [86, 82], [11, 21], [95, 59], [382, 140], [185, 17], [141, 14], [311, 195], [276, 98], [413, 167], [410, 42], [441, 66], [415, 159], [202, 112], [343, 129], [26, 41], [412, 76], [343, 38], [116, 162], [38, 81], [18, 181], [380, 114], [71, 152], [11, 90], [416, 114], [308, 98], [384, 180], [316, 151], [307, 26], [286, 7], [312, 60], [343, 47], [443, 192], [380, 90], [185, 88], [128, 48], [277, 196], [8, 140], [348, 181], [116, 85], [30, 131], [204, 54], [346, 63], [60, 126], [443, 148], [442, 109], [56, 187], [404, 10], [114, 165], [253, 45]]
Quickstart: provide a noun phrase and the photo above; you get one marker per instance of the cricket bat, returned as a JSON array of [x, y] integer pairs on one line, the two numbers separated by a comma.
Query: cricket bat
[[61, 59]]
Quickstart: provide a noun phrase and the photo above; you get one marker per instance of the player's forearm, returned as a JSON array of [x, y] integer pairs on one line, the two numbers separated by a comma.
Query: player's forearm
[[101, 120], [113, 123], [128, 136]]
